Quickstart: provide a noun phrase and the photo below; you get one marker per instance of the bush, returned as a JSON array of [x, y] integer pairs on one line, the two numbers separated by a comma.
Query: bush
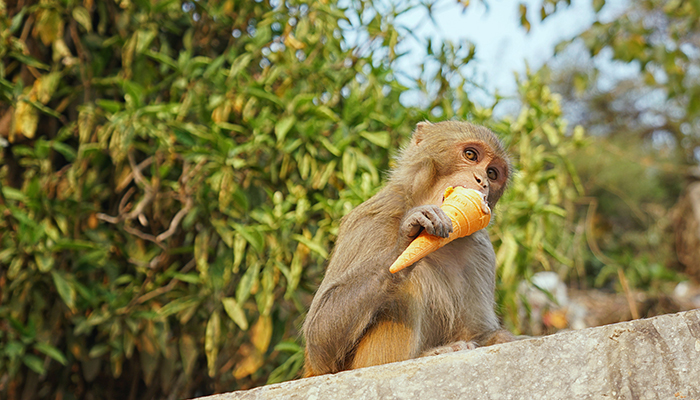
[[173, 175]]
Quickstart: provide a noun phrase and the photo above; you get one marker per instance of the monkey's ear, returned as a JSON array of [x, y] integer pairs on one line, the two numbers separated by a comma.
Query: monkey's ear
[[419, 133]]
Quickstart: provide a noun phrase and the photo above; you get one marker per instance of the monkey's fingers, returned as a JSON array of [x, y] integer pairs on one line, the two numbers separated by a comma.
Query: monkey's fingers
[[468, 212], [429, 218], [467, 209]]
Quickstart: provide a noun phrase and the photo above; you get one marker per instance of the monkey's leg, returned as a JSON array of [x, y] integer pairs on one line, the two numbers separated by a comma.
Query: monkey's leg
[[487, 339], [450, 348], [307, 371], [385, 342], [496, 337]]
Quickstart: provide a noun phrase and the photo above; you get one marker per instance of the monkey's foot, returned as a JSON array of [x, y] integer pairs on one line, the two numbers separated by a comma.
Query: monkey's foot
[[450, 348]]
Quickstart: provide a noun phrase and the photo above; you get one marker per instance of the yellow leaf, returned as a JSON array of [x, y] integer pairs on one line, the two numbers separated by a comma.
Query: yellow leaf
[[188, 353], [201, 253], [552, 134], [252, 361], [293, 42], [555, 318], [211, 342], [86, 124], [149, 365], [221, 113], [234, 310], [49, 26], [45, 86], [261, 333], [26, 120]]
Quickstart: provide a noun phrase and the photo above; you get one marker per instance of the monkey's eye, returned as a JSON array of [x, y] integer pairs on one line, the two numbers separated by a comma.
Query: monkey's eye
[[471, 155], [492, 173]]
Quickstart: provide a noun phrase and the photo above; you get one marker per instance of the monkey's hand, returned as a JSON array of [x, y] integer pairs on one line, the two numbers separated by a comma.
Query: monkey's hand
[[429, 217]]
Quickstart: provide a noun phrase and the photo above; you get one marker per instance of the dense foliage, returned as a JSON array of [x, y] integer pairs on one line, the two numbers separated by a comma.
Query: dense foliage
[[173, 175]]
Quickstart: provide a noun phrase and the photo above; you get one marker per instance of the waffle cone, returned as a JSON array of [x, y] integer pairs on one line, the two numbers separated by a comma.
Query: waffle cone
[[468, 212]]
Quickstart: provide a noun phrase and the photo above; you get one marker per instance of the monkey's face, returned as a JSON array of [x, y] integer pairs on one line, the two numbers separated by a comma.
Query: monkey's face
[[454, 153], [475, 165], [482, 169]]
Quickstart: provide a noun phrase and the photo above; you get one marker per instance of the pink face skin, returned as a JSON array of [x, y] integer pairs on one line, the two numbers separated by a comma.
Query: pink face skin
[[479, 169]]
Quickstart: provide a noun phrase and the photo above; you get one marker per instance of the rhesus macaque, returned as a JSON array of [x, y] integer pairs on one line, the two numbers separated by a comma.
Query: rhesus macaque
[[362, 315]]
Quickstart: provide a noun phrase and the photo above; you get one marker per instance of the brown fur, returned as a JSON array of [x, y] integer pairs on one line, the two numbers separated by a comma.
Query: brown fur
[[363, 315]]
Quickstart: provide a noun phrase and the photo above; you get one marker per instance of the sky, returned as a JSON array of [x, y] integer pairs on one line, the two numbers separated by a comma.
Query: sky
[[502, 45]]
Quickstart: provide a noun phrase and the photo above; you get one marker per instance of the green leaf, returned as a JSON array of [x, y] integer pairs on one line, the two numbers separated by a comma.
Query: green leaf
[[239, 245], [283, 126], [552, 134], [44, 262], [251, 235], [34, 363], [99, 350], [598, 5], [65, 289], [178, 305], [14, 194], [261, 94], [189, 278], [325, 112], [75, 245], [381, 139], [67, 151], [329, 146], [523, 17], [82, 16], [550, 208], [214, 67], [52, 352], [44, 109], [349, 167], [245, 286], [17, 20], [239, 64], [315, 247], [288, 347], [110, 106], [162, 58], [27, 60]]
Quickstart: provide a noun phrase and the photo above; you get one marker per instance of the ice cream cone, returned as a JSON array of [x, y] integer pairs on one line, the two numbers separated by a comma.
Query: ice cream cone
[[468, 212]]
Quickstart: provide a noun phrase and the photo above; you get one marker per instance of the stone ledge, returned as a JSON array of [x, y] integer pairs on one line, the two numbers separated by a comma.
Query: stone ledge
[[655, 358]]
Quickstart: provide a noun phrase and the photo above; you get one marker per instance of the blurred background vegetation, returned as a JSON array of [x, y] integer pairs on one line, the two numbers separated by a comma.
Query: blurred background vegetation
[[173, 174]]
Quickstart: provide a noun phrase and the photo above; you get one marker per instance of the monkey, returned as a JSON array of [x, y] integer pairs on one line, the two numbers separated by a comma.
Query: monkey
[[363, 315]]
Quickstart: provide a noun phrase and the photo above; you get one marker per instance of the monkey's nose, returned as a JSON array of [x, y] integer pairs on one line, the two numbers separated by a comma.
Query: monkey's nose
[[484, 183]]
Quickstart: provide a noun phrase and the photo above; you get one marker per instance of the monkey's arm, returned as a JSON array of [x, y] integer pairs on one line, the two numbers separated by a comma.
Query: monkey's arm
[[358, 284], [340, 313]]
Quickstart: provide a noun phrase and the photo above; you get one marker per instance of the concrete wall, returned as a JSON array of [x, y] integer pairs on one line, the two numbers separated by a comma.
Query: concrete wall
[[655, 358]]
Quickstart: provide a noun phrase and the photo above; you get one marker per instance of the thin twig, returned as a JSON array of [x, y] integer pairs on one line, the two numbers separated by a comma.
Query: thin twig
[[125, 199], [176, 220], [149, 194], [144, 236], [107, 218], [122, 208], [593, 245], [125, 182], [164, 289], [138, 176], [628, 293]]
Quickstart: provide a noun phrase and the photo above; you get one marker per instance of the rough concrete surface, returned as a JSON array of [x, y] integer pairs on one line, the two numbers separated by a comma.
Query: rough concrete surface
[[655, 358]]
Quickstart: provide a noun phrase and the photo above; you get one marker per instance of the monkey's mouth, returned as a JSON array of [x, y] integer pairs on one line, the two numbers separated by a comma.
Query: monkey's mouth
[[483, 195]]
